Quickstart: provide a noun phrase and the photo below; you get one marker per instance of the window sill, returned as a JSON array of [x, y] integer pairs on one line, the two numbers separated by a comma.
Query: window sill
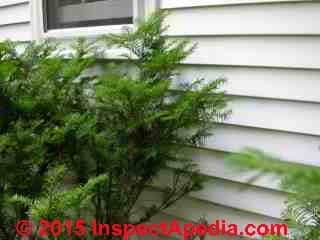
[[88, 32]]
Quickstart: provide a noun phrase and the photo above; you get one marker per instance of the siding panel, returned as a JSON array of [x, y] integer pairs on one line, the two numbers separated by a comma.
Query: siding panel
[[289, 84], [15, 20], [296, 52], [288, 146], [5, 3], [213, 164], [168, 4], [288, 116], [223, 192], [281, 19], [192, 210], [16, 32], [14, 14]]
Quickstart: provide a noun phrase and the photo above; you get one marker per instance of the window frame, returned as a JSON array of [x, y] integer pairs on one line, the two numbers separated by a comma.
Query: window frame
[[141, 9]]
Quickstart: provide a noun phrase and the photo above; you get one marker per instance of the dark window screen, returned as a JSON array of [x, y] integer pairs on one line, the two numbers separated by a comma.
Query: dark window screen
[[86, 13]]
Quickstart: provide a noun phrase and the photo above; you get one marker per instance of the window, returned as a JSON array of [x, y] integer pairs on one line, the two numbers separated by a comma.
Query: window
[[62, 14], [66, 19]]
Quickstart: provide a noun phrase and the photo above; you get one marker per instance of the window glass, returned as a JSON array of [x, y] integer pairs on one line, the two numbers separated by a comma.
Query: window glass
[[86, 13]]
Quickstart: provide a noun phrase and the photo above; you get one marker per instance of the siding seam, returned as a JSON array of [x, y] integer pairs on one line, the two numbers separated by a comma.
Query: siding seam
[[14, 23], [176, 8], [8, 5], [152, 188]]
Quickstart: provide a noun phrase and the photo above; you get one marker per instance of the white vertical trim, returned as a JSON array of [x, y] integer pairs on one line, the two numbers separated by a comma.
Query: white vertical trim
[[138, 10], [37, 24], [151, 6]]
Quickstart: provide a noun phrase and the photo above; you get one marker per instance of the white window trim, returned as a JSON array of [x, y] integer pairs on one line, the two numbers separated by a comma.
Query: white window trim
[[141, 9]]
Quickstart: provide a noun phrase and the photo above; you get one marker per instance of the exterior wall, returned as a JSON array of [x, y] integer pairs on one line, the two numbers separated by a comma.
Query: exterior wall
[[269, 51], [15, 20]]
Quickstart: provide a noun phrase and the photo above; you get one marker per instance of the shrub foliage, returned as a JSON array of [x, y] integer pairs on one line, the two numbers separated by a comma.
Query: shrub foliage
[[110, 134], [303, 183]]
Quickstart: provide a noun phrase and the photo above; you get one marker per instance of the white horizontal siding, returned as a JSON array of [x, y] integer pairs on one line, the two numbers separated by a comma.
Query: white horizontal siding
[[14, 14], [264, 51], [192, 209], [214, 164], [287, 84], [223, 192], [288, 116], [17, 32], [15, 20], [274, 19], [168, 4], [243, 190], [4, 3], [288, 146]]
